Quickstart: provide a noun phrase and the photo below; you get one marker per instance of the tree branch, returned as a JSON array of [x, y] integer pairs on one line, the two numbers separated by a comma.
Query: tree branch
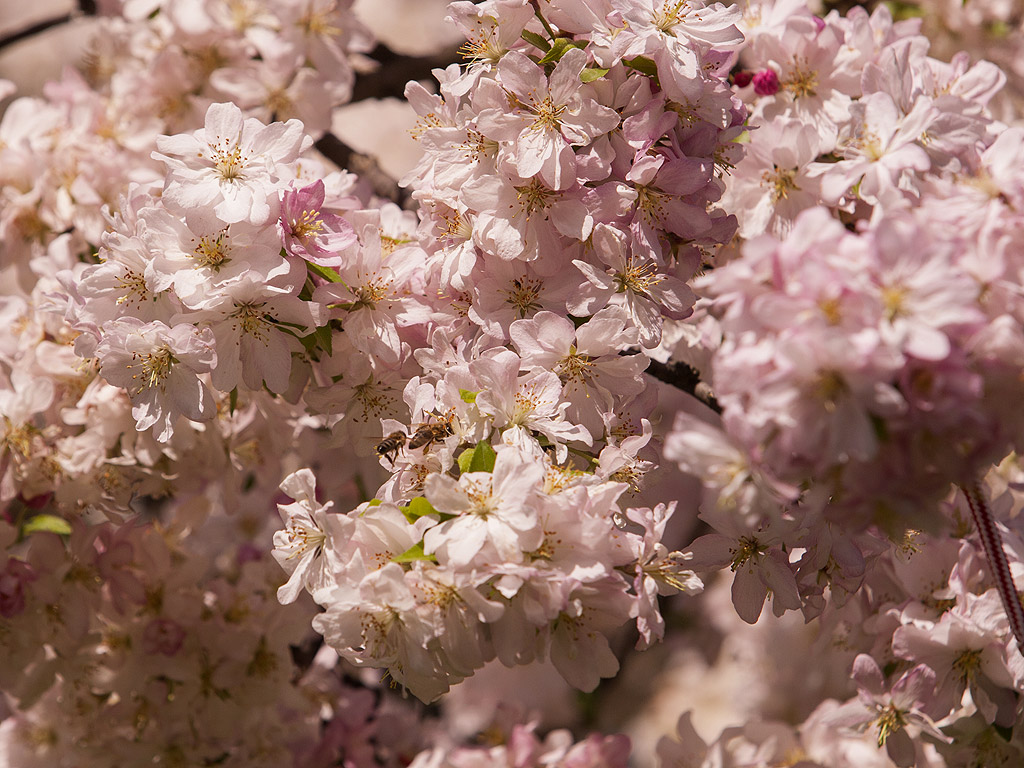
[[687, 378], [85, 8], [343, 156], [396, 70]]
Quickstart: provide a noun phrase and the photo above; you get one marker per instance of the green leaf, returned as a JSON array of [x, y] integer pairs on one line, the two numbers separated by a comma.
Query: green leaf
[[558, 49], [48, 524], [478, 459], [412, 554], [467, 396], [233, 401], [417, 508], [536, 40], [643, 65], [590, 74], [326, 273], [323, 337]]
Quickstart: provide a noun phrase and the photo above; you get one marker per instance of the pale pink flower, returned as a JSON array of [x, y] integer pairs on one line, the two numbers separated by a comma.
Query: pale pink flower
[[311, 232], [229, 165], [307, 547], [645, 288], [524, 404], [496, 516], [159, 366], [881, 147], [547, 117], [898, 714]]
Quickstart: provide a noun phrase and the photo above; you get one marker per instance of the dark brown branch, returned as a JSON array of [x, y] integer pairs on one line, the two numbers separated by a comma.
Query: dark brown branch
[[343, 156], [85, 8], [396, 70], [687, 378], [35, 29], [992, 543]]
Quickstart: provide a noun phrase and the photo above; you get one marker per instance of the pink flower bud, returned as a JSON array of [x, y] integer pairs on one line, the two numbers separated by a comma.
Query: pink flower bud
[[742, 78], [766, 83]]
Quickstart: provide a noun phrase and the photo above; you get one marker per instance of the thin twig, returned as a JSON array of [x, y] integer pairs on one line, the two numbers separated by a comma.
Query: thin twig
[[85, 8], [687, 378], [992, 543], [35, 29]]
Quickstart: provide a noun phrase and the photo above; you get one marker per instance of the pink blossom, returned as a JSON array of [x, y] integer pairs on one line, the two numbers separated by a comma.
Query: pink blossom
[[159, 366], [229, 166], [311, 232], [548, 117]]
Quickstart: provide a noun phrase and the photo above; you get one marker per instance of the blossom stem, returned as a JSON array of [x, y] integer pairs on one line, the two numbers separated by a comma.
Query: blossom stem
[[992, 543], [543, 21]]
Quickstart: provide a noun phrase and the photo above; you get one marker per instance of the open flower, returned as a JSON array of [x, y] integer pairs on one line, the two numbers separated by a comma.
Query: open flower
[[229, 165], [159, 366]]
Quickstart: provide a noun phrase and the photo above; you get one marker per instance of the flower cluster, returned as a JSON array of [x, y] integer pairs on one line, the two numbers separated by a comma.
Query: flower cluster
[[217, 350], [862, 346], [569, 182]]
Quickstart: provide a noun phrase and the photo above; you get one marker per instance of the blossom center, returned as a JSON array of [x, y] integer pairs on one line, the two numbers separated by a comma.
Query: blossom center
[[229, 162], [317, 21], [967, 664], [374, 400], [746, 548], [481, 498], [533, 197], [890, 720], [304, 539], [134, 286], [523, 295], [649, 203], [830, 387], [250, 320], [371, 292], [575, 367], [780, 181], [548, 115], [211, 252], [482, 44], [670, 14], [307, 224], [802, 80], [637, 278], [153, 367], [893, 297]]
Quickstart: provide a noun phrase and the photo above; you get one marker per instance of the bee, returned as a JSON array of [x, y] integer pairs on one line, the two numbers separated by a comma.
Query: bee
[[426, 434], [390, 446]]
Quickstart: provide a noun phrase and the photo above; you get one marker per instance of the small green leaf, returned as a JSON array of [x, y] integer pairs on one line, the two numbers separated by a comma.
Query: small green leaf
[[412, 554], [324, 338], [478, 459], [326, 273], [233, 401], [467, 396], [417, 508], [590, 74], [558, 49], [536, 40], [643, 65], [48, 524]]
